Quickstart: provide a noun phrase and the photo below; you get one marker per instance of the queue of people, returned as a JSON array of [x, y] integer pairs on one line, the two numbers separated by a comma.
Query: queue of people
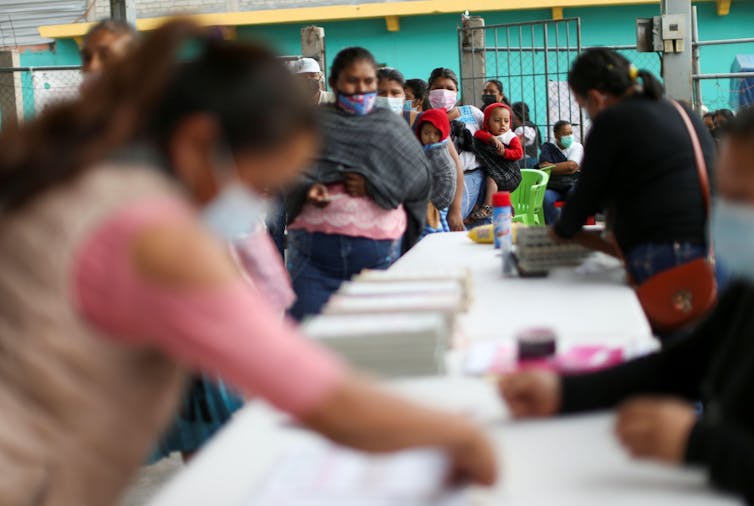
[[165, 154]]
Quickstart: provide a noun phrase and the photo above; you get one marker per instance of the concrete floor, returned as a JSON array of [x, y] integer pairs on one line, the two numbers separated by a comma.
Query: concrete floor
[[150, 479]]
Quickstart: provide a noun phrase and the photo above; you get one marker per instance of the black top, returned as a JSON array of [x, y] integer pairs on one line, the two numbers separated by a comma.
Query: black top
[[558, 182], [639, 165], [715, 364]]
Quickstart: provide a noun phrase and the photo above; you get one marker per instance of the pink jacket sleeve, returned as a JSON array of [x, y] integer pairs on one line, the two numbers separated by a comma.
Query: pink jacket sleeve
[[228, 330]]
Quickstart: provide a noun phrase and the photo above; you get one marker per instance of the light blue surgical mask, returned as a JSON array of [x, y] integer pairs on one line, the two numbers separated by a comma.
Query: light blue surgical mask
[[393, 103], [732, 227], [407, 106], [235, 212], [566, 141]]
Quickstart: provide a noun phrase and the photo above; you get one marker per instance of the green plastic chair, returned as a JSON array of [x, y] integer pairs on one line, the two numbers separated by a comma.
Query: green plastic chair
[[528, 199]]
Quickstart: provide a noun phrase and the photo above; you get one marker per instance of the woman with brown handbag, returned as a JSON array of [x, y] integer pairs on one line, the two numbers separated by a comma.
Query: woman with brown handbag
[[645, 163]]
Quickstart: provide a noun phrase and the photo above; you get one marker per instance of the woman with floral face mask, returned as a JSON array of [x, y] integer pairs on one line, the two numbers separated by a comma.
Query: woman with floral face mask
[[657, 418], [365, 198], [113, 289], [465, 120]]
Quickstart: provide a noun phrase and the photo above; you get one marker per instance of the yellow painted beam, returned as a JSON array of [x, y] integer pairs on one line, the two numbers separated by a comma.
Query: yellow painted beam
[[723, 7], [346, 12], [393, 23], [557, 13]]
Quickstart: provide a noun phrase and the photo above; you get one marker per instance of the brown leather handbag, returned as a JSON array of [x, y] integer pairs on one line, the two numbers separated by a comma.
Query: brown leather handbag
[[681, 295]]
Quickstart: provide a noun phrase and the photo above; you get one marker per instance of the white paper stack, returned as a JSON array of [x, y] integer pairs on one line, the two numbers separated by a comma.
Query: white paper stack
[[447, 304], [389, 344], [317, 473], [423, 278], [537, 252]]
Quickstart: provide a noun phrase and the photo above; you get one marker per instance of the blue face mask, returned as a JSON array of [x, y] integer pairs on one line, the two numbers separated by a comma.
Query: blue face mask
[[733, 235], [566, 141], [358, 104], [407, 106]]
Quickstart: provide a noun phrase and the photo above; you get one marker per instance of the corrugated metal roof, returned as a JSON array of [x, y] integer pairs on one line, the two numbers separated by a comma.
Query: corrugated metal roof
[[20, 19]]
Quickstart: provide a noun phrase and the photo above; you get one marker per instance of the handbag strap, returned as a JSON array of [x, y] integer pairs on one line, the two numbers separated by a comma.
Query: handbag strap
[[701, 165]]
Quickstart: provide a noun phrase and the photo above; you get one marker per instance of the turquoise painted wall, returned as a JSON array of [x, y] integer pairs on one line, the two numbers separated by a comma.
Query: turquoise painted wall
[[64, 52], [426, 42]]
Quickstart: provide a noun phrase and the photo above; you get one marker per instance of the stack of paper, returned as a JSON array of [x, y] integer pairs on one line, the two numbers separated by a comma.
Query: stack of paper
[[316, 473], [439, 277], [537, 252], [389, 344], [448, 304]]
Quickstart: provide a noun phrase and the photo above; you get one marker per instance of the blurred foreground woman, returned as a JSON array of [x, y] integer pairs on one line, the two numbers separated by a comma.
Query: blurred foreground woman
[[112, 290]]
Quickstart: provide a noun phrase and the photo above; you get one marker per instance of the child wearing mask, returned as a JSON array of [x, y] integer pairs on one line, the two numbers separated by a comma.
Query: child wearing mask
[[433, 130], [499, 149]]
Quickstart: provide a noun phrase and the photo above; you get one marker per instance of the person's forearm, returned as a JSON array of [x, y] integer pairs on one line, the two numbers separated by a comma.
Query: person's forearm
[[361, 416], [561, 168], [595, 242]]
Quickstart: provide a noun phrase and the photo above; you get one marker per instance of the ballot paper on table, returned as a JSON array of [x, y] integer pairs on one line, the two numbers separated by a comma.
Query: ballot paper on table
[[421, 287], [314, 472], [461, 275], [390, 345], [446, 303]]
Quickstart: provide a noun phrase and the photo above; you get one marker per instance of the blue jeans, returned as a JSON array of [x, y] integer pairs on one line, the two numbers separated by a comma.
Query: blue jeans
[[552, 213], [474, 191], [318, 264], [648, 259]]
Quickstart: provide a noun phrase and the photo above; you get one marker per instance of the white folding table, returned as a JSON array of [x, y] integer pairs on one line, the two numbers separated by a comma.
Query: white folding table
[[564, 461]]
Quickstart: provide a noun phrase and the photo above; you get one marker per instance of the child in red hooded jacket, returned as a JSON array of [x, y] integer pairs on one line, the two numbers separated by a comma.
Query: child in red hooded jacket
[[433, 131]]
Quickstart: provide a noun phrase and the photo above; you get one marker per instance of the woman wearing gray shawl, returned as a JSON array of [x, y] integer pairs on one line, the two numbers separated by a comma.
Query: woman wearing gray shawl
[[364, 199]]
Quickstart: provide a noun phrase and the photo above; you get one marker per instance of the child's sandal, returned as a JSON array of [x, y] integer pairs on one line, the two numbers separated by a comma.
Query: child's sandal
[[480, 214]]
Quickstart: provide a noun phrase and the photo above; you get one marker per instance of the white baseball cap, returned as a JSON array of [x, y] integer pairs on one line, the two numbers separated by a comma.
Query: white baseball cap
[[307, 65]]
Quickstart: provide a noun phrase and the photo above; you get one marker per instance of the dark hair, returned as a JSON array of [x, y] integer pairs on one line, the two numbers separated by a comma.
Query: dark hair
[[441, 72], [521, 109], [391, 74], [346, 58], [499, 85], [725, 113], [740, 126], [605, 70], [420, 88], [114, 26], [709, 115], [247, 89], [559, 125]]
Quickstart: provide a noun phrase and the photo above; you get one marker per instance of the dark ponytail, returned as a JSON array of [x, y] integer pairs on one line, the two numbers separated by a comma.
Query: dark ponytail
[[248, 91], [605, 70]]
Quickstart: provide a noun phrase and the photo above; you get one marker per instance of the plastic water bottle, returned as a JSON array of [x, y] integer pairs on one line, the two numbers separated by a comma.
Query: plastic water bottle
[[502, 220], [502, 217]]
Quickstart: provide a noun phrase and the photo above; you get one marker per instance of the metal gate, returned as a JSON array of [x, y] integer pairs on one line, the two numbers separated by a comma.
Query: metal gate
[[531, 60]]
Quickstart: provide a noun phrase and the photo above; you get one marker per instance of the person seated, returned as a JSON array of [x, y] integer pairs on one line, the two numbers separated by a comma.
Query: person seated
[[656, 394], [528, 133], [564, 156]]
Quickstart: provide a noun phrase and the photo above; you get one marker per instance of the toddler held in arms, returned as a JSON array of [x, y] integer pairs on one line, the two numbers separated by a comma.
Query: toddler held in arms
[[433, 130], [498, 149]]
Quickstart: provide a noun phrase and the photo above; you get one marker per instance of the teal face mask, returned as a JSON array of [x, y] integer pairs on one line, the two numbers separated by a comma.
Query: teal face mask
[[566, 141], [733, 235]]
